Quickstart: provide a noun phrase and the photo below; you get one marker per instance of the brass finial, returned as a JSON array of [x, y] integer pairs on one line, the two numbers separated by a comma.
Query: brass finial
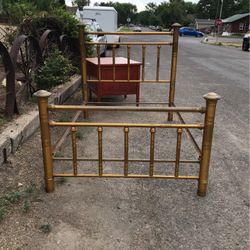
[[212, 96], [42, 93]]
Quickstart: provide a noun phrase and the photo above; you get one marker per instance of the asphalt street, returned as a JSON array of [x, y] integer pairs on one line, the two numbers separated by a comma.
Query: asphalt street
[[138, 214]]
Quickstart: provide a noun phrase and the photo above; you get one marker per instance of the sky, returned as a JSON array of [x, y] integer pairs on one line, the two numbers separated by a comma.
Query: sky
[[139, 3]]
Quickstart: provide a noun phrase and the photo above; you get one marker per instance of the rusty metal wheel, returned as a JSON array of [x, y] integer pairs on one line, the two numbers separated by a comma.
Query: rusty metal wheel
[[26, 57], [65, 46], [48, 39], [7, 81]]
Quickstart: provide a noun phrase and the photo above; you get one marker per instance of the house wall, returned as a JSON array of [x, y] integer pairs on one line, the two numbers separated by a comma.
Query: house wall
[[239, 26]]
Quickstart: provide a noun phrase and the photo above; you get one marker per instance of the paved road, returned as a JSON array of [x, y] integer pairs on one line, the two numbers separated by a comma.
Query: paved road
[[165, 215]]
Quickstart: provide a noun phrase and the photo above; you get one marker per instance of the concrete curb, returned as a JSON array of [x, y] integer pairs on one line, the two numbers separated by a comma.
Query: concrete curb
[[221, 43], [26, 125]]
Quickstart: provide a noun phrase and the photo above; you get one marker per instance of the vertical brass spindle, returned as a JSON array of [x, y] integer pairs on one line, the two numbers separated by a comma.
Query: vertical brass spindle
[[113, 56], [158, 62], [178, 152], [211, 101], [74, 150], [126, 131], [83, 54], [100, 159], [143, 62], [176, 27], [99, 61], [152, 149], [128, 52], [46, 138]]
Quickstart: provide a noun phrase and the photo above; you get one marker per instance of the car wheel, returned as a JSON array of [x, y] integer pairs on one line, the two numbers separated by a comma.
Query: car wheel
[[118, 45], [181, 34], [245, 45]]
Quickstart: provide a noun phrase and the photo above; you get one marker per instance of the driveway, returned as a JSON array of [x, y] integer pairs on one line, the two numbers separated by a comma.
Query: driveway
[[154, 214]]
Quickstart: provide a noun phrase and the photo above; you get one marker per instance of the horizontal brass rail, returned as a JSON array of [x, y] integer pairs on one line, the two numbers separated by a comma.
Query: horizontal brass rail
[[129, 43], [121, 125], [127, 108], [128, 103], [128, 176], [127, 81], [122, 160], [129, 33]]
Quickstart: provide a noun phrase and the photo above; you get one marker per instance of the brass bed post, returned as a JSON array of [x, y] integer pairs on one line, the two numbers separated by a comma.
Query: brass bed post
[[43, 96], [175, 27], [83, 55], [211, 101]]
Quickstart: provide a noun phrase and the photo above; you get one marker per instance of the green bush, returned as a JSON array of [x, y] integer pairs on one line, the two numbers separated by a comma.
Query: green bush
[[18, 11], [56, 70]]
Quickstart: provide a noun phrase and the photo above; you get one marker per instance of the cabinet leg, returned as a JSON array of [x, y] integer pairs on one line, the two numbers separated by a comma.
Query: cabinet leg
[[90, 95], [137, 99]]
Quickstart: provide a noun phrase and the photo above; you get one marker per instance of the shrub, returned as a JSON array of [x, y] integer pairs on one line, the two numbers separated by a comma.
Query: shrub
[[56, 70], [18, 11]]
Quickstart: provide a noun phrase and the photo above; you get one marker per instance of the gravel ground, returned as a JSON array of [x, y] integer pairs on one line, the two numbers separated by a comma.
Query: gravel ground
[[142, 214]]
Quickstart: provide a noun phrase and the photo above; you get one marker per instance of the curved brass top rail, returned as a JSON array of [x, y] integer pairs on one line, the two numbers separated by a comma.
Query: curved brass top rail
[[129, 43], [129, 33], [122, 125], [128, 108]]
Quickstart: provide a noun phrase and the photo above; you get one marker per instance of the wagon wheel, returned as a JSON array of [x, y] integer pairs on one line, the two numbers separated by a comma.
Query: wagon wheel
[[26, 57], [48, 39], [7, 72], [65, 47]]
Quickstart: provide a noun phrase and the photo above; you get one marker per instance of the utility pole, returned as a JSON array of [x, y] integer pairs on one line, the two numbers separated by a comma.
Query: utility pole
[[221, 6]]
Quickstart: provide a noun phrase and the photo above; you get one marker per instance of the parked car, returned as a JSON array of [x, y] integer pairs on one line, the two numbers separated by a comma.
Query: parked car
[[158, 28], [92, 26], [245, 43], [190, 32], [137, 29]]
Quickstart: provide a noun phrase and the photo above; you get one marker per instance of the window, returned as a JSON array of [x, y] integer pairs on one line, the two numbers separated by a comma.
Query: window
[[241, 26]]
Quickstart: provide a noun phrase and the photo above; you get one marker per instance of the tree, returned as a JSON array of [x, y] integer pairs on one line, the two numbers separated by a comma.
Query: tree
[[151, 6], [190, 8], [81, 3], [211, 8], [241, 6]]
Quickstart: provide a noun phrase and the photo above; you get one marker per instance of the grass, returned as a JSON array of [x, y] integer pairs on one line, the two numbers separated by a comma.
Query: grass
[[26, 206], [125, 29], [45, 228], [61, 180], [79, 135], [58, 154], [65, 119], [15, 197], [2, 213]]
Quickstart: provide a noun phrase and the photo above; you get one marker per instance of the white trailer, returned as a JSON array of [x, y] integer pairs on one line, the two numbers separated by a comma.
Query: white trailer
[[106, 17]]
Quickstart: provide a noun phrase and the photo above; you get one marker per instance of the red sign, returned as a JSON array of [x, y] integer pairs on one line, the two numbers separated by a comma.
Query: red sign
[[218, 22]]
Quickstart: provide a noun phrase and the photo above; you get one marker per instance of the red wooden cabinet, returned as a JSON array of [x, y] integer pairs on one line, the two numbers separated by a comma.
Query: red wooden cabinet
[[121, 73]]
